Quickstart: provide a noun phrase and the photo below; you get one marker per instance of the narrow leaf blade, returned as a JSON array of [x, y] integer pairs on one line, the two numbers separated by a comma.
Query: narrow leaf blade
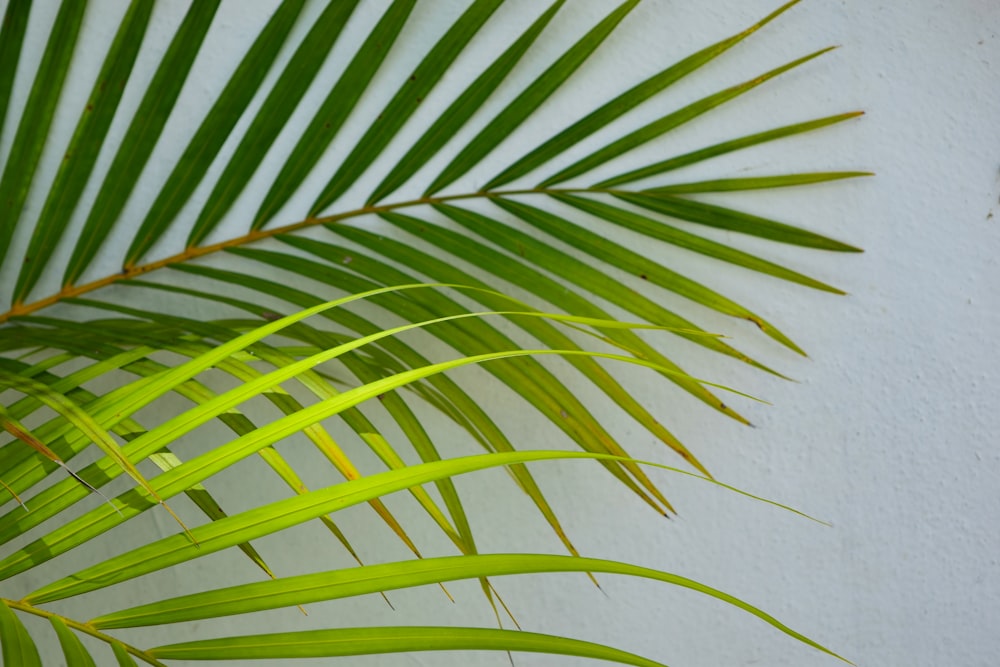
[[537, 283], [456, 115], [402, 106], [15, 23], [720, 217], [338, 584], [39, 111], [17, 646], [599, 284], [601, 248], [73, 650], [214, 129], [724, 147], [755, 182], [683, 239], [269, 121], [141, 136], [86, 424], [458, 405], [381, 640], [334, 110], [122, 656], [670, 121], [531, 380], [517, 111], [81, 153], [631, 98]]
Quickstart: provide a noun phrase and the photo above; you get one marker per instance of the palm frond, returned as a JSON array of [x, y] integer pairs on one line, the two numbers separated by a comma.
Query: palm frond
[[335, 316]]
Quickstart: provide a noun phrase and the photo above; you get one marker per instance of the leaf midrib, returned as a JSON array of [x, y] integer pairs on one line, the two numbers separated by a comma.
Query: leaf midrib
[[191, 253]]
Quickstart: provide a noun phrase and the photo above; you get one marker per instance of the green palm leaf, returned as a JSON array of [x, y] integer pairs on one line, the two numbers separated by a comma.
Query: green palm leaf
[[671, 121], [15, 22], [216, 127], [17, 646], [399, 109], [631, 98], [90, 133], [72, 647], [270, 119], [334, 110], [363, 641], [326, 347], [137, 146], [529, 100], [249, 598], [20, 165]]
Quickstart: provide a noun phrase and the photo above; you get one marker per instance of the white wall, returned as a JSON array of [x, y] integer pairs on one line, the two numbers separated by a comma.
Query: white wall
[[889, 433]]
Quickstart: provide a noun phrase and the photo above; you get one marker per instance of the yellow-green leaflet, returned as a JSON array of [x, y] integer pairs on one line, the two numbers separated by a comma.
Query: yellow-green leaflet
[[375, 578]]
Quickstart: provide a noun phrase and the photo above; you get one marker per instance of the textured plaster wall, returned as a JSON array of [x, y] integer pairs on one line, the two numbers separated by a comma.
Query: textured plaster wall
[[889, 432]]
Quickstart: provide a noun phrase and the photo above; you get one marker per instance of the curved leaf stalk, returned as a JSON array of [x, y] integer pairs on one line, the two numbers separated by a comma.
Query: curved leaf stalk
[[192, 253], [196, 252]]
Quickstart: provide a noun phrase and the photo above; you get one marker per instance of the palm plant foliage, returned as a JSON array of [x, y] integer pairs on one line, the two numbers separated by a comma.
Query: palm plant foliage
[[273, 331]]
